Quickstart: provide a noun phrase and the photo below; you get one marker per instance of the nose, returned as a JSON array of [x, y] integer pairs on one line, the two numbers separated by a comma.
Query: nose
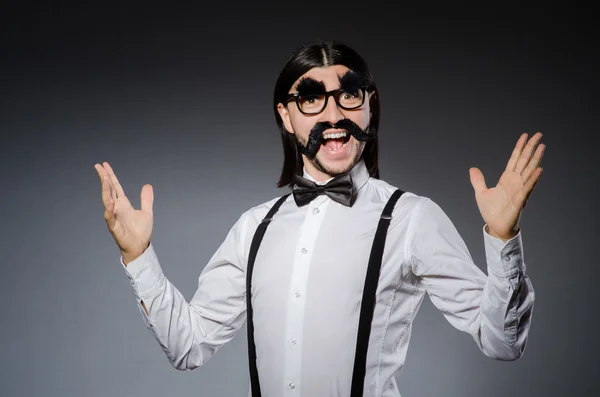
[[332, 113]]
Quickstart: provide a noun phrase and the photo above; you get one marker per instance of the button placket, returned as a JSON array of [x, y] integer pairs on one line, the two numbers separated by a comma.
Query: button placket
[[313, 219]]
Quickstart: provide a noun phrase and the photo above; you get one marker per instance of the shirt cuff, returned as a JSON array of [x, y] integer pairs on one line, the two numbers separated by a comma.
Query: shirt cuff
[[144, 273], [505, 259]]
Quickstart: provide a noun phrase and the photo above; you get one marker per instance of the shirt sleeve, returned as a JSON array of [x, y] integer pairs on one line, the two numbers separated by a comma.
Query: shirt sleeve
[[495, 309], [189, 333]]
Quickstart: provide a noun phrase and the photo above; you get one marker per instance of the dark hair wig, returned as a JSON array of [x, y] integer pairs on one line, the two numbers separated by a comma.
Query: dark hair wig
[[305, 58]]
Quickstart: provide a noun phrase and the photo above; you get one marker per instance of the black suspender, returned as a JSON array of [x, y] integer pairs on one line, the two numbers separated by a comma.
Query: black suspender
[[367, 305], [256, 240]]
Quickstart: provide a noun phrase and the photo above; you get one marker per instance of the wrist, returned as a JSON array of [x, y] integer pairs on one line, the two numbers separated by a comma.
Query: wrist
[[128, 257], [131, 255], [502, 236]]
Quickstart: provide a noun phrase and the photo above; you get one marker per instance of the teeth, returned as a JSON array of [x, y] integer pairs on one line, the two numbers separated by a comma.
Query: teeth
[[334, 136]]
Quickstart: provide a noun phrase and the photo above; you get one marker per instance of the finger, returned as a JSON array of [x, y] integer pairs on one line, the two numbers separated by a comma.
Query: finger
[[477, 180], [526, 200], [113, 189], [514, 157], [109, 214], [107, 191], [527, 152], [100, 171], [114, 180], [105, 184], [531, 182], [534, 163], [147, 198]]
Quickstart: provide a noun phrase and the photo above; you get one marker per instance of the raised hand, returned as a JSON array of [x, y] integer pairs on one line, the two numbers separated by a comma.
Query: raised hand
[[131, 229], [501, 206]]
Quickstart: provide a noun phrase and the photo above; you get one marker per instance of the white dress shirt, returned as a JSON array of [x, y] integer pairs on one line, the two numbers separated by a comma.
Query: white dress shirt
[[307, 288]]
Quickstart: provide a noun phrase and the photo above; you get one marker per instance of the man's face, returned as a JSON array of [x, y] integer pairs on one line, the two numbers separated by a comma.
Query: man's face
[[335, 155]]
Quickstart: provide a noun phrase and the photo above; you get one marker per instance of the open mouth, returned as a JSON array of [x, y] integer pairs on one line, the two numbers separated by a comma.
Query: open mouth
[[335, 141]]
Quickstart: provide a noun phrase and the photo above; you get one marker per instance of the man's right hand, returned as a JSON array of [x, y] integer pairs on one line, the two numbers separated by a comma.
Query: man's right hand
[[131, 229]]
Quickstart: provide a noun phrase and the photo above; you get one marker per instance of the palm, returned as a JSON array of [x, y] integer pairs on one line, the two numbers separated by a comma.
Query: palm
[[132, 227], [501, 206]]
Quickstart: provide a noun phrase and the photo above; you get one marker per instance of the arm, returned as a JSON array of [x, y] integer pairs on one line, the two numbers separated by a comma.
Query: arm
[[190, 333], [496, 310]]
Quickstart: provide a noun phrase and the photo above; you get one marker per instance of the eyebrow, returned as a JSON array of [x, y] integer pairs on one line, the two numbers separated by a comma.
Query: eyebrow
[[351, 81], [310, 86]]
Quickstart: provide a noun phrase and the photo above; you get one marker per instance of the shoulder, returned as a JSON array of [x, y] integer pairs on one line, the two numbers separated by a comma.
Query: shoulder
[[247, 223], [251, 218], [409, 206], [381, 191]]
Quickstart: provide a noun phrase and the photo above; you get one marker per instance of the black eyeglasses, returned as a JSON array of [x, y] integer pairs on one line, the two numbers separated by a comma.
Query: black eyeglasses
[[316, 103]]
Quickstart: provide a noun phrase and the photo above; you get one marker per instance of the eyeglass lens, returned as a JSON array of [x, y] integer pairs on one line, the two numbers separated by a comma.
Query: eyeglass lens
[[345, 99]]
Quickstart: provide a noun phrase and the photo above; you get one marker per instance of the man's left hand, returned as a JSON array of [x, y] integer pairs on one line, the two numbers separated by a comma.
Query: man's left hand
[[501, 206]]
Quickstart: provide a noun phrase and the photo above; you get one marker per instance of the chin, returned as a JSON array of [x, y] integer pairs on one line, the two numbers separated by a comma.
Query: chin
[[336, 166], [335, 169]]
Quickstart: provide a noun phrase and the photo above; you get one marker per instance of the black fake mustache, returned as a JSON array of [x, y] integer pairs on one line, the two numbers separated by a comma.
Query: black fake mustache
[[316, 135]]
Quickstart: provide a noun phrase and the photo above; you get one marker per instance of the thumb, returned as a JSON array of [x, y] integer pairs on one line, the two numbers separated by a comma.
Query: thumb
[[147, 198], [477, 180]]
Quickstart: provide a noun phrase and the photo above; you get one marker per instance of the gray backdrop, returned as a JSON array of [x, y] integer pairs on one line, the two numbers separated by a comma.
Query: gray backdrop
[[181, 98]]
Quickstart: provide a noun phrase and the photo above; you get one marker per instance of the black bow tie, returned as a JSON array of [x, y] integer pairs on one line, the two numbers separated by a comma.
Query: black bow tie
[[338, 189]]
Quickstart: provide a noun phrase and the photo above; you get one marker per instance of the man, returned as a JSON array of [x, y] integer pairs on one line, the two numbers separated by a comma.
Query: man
[[333, 278]]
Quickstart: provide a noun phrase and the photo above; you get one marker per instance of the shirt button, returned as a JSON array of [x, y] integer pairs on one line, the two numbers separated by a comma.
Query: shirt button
[[304, 250], [291, 385], [315, 211], [293, 340], [298, 294], [507, 258]]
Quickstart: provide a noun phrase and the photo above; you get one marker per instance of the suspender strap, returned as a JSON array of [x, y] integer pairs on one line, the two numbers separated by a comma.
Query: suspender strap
[[256, 240], [368, 300]]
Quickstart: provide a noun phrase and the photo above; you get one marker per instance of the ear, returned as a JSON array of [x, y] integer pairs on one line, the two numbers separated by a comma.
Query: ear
[[372, 97], [285, 117]]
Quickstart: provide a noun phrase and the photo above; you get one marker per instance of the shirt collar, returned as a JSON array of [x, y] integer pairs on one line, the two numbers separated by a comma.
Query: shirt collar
[[359, 174]]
